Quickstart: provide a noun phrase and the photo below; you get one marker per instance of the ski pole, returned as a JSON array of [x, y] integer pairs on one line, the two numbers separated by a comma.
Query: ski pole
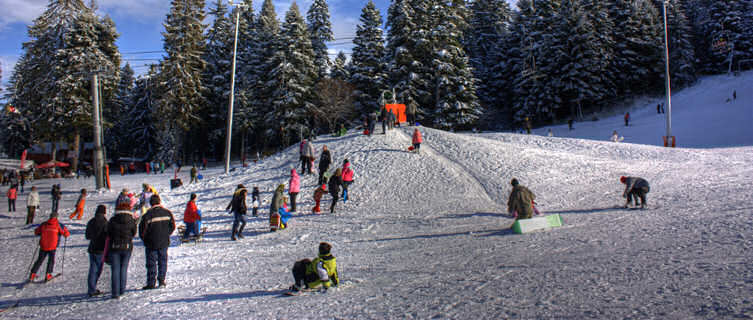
[[32, 261], [65, 245]]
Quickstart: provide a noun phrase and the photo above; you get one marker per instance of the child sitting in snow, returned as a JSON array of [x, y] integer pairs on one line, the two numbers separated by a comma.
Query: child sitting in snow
[[319, 273]]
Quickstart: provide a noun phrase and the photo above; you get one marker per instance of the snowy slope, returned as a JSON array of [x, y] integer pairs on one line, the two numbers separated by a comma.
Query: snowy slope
[[426, 236], [701, 117]]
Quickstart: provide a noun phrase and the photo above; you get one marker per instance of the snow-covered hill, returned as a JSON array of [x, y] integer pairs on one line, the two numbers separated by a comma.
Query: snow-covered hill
[[427, 236]]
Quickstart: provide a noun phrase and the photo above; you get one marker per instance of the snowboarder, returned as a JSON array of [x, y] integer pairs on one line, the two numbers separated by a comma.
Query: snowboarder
[[239, 209], [49, 231], [334, 188], [56, 195], [194, 173], [191, 217], [520, 201], [318, 193], [294, 187], [417, 139], [635, 188], [120, 230], [255, 201], [96, 233], [347, 178], [319, 273], [155, 229], [12, 195], [324, 161], [627, 118], [32, 203], [80, 203]]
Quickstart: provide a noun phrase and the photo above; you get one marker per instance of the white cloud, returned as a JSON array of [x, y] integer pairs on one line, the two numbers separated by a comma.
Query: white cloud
[[20, 11], [7, 63]]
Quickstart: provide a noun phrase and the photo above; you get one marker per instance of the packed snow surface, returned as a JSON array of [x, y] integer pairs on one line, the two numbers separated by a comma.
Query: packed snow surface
[[427, 235]]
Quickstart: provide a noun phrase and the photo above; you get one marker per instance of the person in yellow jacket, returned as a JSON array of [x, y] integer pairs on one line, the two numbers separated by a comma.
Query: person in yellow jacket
[[319, 273]]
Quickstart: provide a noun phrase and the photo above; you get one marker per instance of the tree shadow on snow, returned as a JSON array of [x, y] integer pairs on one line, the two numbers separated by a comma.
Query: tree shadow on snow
[[227, 296]]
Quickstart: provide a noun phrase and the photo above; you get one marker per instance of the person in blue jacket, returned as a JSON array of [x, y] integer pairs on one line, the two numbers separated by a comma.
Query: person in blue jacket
[[285, 215]]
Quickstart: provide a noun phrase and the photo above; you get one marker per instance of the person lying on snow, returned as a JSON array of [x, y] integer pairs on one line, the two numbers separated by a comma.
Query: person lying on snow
[[319, 273]]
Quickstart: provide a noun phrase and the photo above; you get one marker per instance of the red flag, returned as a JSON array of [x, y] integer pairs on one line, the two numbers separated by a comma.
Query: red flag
[[23, 159]]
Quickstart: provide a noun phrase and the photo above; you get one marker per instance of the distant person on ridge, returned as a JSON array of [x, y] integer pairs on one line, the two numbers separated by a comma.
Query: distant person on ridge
[[627, 118], [635, 188]]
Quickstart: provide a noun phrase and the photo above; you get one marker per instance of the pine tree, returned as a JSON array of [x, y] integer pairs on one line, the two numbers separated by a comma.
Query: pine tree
[[182, 100], [367, 61], [294, 75], [727, 31], [320, 30], [268, 44], [115, 137], [140, 121], [489, 23], [638, 52], [248, 109], [457, 106], [399, 54], [339, 70], [603, 43], [681, 51], [216, 78]]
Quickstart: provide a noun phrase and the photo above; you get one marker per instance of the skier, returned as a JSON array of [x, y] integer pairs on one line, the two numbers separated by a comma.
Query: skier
[[12, 195], [32, 203], [334, 188], [319, 273], [56, 195], [239, 209], [155, 229], [49, 231], [294, 188], [324, 161], [347, 178], [627, 118], [80, 203], [192, 217], [96, 233], [635, 188], [417, 139], [520, 201], [194, 173], [318, 193], [255, 201], [120, 229]]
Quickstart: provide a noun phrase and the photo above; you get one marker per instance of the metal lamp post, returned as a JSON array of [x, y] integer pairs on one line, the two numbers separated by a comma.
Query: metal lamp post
[[232, 87], [669, 140]]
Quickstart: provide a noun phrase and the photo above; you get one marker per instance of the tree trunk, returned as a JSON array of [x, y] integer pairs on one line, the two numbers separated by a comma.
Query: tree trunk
[[76, 143], [243, 147]]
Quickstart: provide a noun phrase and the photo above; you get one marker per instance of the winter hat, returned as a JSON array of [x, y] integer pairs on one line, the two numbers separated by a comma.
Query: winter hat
[[514, 182], [324, 187], [345, 161], [324, 248], [125, 205], [240, 186], [622, 179], [101, 210]]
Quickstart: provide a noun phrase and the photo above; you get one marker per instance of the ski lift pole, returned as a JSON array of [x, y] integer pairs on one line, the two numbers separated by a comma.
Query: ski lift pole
[[97, 134], [229, 128], [669, 140]]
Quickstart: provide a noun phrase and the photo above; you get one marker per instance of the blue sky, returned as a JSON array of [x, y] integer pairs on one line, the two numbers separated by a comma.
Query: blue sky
[[139, 23]]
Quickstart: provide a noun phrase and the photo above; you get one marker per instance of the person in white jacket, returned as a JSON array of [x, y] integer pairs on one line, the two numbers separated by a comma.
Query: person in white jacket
[[32, 203]]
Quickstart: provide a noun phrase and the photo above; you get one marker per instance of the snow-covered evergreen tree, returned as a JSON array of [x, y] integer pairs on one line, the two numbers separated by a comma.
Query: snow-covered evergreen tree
[[268, 44], [339, 70], [638, 61], [367, 67], [489, 23], [603, 44], [727, 31], [140, 120], [181, 74], [116, 135], [248, 108], [456, 106], [216, 77], [681, 52], [400, 54], [294, 75], [320, 30]]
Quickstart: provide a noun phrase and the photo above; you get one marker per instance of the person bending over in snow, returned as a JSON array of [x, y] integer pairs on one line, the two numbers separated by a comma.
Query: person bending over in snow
[[635, 187], [319, 273], [521, 201], [49, 231]]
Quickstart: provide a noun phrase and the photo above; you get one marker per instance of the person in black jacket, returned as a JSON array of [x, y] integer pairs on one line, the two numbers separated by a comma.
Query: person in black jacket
[[120, 230], [56, 195], [324, 161], [635, 188], [334, 188], [239, 209], [255, 201], [96, 233], [155, 229]]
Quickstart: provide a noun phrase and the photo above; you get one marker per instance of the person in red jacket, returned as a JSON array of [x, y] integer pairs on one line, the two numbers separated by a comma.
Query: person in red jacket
[[49, 231], [191, 217], [12, 194], [417, 140]]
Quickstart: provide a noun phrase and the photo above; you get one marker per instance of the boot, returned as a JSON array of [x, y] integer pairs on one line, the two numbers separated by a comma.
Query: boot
[[48, 277], [32, 277], [240, 232], [232, 237]]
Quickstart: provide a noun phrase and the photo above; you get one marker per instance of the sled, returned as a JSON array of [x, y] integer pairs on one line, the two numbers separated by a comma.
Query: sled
[[274, 222], [366, 132], [194, 238], [411, 148], [537, 223]]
